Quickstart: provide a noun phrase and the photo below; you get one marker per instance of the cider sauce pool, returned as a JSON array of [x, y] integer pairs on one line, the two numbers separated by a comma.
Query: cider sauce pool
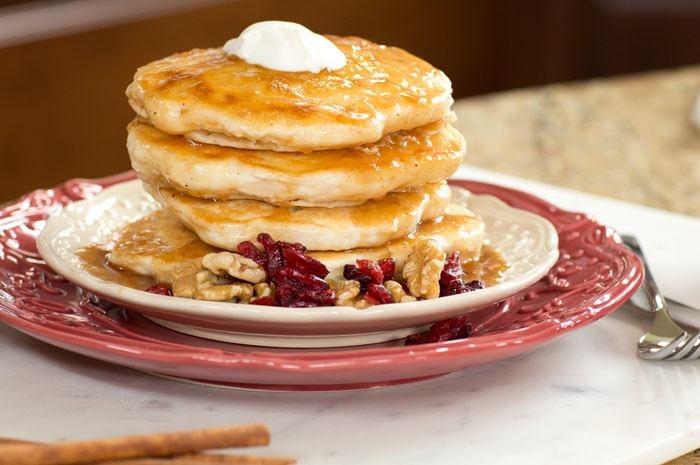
[[488, 269], [94, 260]]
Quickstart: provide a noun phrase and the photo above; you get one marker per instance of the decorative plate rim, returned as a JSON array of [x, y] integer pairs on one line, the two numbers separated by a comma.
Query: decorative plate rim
[[308, 361]]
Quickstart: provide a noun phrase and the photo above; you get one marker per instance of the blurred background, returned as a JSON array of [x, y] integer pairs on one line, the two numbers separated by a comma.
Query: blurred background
[[64, 65]]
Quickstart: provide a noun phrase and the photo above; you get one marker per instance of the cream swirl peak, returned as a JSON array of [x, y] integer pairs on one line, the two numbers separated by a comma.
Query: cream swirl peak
[[285, 46]]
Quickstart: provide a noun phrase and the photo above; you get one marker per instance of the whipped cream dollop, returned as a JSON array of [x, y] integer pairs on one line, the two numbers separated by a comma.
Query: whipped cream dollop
[[285, 46]]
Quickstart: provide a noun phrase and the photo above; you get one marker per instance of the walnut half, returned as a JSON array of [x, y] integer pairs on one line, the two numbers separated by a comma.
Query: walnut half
[[221, 292], [423, 268], [191, 281], [235, 265]]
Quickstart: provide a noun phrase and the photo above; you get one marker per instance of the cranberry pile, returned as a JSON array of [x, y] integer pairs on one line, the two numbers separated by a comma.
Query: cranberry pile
[[298, 278], [371, 275], [299, 282]]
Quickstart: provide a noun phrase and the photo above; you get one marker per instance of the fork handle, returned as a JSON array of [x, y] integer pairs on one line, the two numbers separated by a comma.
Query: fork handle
[[656, 299]]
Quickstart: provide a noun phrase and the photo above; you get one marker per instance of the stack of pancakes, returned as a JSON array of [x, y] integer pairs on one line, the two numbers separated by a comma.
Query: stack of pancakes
[[351, 163]]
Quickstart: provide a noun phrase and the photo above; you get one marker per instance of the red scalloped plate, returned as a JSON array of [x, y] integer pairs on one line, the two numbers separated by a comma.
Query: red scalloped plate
[[594, 276]]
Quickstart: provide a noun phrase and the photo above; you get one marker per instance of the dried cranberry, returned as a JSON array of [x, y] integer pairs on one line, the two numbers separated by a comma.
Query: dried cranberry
[[452, 278], [372, 269], [378, 294], [280, 254], [160, 289], [454, 328], [460, 287], [274, 261], [306, 279], [446, 330], [388, 266], [415, 339], [462, 326], [298, 260], [267, 300], [473, 285], [353, 272], [267, 241], [292, 295], [248, 250], [452, 268], [273, 254], [298, 289]]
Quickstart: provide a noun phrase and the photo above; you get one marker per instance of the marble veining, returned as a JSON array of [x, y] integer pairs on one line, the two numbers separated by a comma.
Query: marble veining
[[546, 407]]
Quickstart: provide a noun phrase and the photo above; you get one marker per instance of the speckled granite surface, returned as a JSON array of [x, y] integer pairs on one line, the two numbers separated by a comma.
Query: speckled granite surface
[[629, 137]]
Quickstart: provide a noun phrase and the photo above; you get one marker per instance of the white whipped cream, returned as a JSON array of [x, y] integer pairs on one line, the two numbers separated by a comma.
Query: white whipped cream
[[285, 46]]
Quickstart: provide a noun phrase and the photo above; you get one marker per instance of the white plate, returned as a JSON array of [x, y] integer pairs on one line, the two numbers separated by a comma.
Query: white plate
[[527, 241]]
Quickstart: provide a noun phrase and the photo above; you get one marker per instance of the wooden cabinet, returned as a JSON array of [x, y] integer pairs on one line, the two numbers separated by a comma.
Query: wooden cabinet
[[64, 112]]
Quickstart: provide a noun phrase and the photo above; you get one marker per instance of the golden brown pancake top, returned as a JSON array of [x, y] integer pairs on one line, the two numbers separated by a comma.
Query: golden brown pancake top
[[380, 90]]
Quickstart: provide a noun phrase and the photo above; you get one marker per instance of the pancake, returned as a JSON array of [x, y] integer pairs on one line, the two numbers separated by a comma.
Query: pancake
[[212, 97], [226, 223], [400, 160], [157, 244]]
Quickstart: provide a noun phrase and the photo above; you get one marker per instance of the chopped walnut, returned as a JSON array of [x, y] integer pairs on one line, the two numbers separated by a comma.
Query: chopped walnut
[[348, 293], [191, 281], [206, 278], [423, 267], [184, 279], [221, 292], [263, 290], [345, 289], [234, 265], [397, 292], [360, 304]]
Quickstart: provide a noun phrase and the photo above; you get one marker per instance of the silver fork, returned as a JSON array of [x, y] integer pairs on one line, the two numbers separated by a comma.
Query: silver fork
[[665, 340]]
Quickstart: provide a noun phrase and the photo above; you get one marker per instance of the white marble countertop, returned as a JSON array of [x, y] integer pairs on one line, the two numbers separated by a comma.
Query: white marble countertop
[[584, 399]]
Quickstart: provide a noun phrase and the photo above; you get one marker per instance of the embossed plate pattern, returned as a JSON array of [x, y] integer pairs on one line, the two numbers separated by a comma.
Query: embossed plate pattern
[[594, 275]]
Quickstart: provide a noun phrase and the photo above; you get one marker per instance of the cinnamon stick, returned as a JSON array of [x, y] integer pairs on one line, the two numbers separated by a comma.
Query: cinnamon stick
[[131, 447], [8, 441], [188, 459], [207, 459], [210, 459]]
